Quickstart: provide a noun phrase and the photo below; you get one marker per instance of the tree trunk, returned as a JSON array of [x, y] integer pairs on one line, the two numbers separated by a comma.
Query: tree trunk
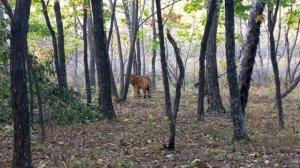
[[92, 48], [85, 55], [204, 41], [138, 56], [154, 37], [271, 25], [235, 102], [105, 98], [250, 49], [213, 92], [164, 65], [19, 100], [144, 55], [31, 97], [55, 48], [61, 45], [39, 99], [131, 52], [173, 118], [76, 49]]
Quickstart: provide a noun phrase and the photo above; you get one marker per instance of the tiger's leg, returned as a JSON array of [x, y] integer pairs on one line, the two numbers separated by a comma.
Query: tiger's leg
[[144, 92], [149, 92], [134, 91]]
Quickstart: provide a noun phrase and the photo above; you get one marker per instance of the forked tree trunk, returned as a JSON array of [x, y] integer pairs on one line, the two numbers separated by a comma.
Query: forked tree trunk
[[105, 99], [235, 102]]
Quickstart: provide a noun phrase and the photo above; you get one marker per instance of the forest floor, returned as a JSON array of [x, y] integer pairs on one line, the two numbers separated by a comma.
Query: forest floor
[[136, 139]]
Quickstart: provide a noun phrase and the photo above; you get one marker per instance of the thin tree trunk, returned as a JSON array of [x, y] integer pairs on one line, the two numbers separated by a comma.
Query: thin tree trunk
[[204, 41], [144, 55], [19, 101], [31, 99], [138, 56], [55, 48], [85, 54], [105, 98], [173, 118], [76, 49], [164, 64], [131, 53], [271, 25], [92, 52], [235, 101], [213, 92], [250, 48], [61, 45], [154, 38], [39, 99]]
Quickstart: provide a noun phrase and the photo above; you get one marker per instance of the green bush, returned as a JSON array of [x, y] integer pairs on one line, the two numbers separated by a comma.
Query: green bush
[[68, 109], [5, 109]]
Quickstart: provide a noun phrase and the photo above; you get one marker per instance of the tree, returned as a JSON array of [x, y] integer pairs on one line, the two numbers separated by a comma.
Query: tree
[[201, 87], [55, 47], [213, 92], [272, 16], [105, 99], [179, 83], [61, 45], [164, 64], [154, 37], [92, 52], [19, 100], [250, 48], [85, 53], [235, 102]]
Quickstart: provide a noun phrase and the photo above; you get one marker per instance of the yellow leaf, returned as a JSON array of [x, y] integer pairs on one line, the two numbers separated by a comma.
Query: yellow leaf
[[260, 18], [150, 117], [166, 118], [126, 119], [255, 154], [274, 115]]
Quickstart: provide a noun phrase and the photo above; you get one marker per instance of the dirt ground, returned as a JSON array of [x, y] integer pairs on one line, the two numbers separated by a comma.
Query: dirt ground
[[136, 139]]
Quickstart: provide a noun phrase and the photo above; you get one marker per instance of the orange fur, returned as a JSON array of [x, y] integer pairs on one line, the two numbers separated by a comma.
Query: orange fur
[[143, 82]]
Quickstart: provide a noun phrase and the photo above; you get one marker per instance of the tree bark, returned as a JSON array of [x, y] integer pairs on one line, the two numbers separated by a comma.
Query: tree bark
[[61, 45], [235, 102], [204, 41], [250, 49], [85, 54], [164, 65], [105, 98], [212, 82], [154, 37], [131, 53], [271, 25], [55, 48], [173, 118], [19, 101], [92, 52]]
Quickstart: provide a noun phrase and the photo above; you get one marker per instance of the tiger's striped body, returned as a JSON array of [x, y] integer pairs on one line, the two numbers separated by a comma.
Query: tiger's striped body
[[143, 82]]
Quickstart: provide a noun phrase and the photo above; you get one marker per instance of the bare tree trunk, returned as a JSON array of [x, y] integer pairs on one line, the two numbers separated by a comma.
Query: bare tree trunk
[[105, 98], [131, 51], [61, 45], [173, 118], [19, 101], [164, 64], [92, 48], [235, 101], [154, 38], [250, 48], [31, 97], [271, 25], [212, 82], [76, 49], [39, 99], [85, 54], [204, 41], [138, 57], [55, 48]]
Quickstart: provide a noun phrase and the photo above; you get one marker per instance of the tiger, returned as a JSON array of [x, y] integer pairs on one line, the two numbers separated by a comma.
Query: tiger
[[143, 82]]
